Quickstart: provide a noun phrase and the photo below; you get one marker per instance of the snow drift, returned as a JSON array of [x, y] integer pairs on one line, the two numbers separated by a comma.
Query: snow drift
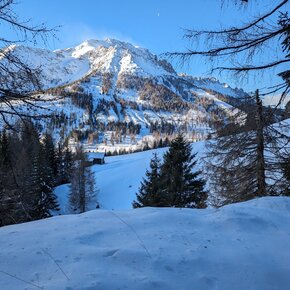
[[240, 246]]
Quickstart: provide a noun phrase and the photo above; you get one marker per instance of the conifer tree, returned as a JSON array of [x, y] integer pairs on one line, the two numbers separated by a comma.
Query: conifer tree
[[6, 193], [285, 164], [40, 185], [173, 183], [149, 191], [35, 173], [180, 186], [49, 148], [83, 189], [26, 176], [59, 157], [64, 160], [249, 160], [4, 148]]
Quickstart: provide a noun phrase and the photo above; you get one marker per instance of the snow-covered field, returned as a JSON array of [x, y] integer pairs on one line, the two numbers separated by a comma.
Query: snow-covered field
[[119, 178], [241, 246]]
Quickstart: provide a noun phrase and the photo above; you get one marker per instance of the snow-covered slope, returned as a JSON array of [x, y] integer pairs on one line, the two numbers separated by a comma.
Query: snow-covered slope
[[56, 68], [118, 180], [214, 85], [241, 246]]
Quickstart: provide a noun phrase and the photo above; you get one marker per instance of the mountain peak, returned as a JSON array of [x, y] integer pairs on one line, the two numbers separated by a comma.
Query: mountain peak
[[107, 42], [117, 56]]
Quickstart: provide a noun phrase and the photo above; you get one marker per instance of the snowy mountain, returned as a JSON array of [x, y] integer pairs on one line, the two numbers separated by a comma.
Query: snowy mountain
[[124, 93], [239, 246]]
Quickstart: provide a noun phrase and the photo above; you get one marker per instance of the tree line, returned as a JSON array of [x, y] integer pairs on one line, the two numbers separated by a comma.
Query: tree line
[[31, 165]]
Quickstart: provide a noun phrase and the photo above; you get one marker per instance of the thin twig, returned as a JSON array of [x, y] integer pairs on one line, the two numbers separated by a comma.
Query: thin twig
[[48, 254], [22, 280], [134, 231]]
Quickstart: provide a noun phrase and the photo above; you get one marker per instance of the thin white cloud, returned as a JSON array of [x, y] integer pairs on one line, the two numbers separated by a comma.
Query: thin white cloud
[[74, 34]]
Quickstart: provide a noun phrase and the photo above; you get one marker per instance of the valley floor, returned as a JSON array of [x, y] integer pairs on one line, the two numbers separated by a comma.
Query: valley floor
[[118, 180], [240, 246]]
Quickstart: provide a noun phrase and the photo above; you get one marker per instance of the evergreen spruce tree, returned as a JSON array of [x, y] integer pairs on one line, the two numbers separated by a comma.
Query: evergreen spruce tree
[[148, 194], [26, 176], [173, 184], [64, 161], [4, 149], [285, 164], [180, 186], [47, 174], [36, 174], [59, 157], [41, 184], [7, 201], [29, 138], [49, 148]]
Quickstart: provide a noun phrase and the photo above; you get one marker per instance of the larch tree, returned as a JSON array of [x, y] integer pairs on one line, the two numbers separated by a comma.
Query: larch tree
[[247, 48], [247, 165], [247, 161], [18, 81], [83, 188]]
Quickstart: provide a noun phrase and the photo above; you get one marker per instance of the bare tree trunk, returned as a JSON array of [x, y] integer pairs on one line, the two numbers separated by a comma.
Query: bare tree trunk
[[261, 179]]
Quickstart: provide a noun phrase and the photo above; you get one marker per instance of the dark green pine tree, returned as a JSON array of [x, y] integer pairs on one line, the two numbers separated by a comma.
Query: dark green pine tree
[[180, 186], [285, 163], [7, 200], [29, 138], [149, 191], [49, 149], [4, 149], [64, 161], [59, 156], [41, 186]]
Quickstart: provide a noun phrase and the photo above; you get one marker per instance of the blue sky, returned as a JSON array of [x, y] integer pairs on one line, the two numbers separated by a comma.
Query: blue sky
[[154, 24]]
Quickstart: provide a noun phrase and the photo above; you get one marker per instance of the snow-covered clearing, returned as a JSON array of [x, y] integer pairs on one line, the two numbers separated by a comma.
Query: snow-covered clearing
[[240, 246], [119, 178]]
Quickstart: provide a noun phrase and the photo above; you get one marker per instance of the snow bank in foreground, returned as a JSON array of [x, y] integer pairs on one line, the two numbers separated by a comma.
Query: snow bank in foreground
[[241, 246]]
